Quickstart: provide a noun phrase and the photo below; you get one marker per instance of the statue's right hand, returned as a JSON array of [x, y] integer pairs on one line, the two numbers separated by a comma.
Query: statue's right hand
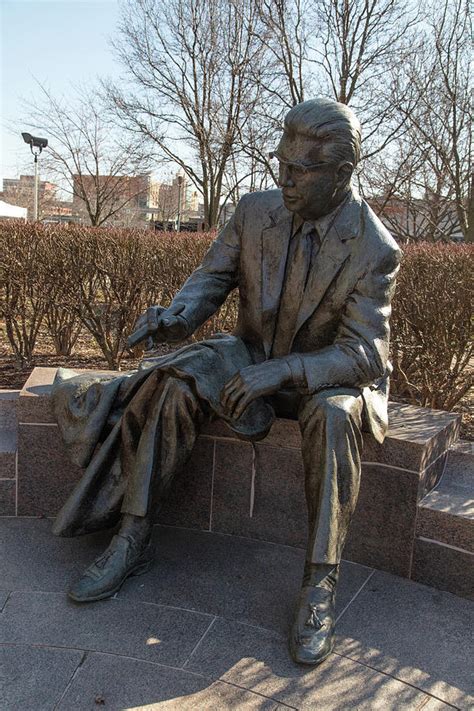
[[163, 325]]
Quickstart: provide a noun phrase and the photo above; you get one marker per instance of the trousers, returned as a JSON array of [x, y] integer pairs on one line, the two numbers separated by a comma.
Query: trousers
[[330, 423]]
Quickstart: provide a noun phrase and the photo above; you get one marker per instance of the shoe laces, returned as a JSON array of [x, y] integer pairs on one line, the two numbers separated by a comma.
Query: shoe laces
[[314, 620], [102, 561]]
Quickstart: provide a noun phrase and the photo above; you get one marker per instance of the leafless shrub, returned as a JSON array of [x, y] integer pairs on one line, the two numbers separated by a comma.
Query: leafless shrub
[[170, 259], [61, 320], [63, 326], [103, 279], [432, 325], [22, 279]]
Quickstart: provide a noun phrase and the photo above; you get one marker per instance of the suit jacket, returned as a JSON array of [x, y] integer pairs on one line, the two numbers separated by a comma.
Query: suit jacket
[[340, 337], [341, 334]]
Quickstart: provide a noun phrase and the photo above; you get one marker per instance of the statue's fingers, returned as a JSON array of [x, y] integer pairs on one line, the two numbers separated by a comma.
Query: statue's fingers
[[231, 403], [169, 321], [242, 405], [231, 384], [227, 391], [226, 400], [176, 309], [232, 400], [152, 318]]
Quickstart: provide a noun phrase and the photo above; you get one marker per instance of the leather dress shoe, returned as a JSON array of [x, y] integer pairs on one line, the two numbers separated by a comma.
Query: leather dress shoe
[[312, 632], [123, 557]]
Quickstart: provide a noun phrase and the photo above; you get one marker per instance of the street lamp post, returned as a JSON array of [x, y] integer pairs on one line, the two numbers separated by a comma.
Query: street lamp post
[[35, 143], [178, 221]]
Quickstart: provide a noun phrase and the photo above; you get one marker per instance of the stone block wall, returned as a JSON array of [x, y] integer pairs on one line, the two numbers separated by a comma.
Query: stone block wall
[[229, 487]]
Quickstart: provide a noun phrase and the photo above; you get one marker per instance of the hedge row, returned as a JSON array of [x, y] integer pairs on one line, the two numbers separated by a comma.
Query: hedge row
[[71, 279], [432, 344], [95, 279]]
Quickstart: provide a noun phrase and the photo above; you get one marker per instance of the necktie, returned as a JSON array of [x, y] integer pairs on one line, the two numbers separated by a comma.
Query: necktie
[[302, 250]]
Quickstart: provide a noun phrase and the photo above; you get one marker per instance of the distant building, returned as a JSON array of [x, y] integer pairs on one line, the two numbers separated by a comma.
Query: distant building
[[59, 211], [134, 200], [20, 191], [169, 197], [194, 201], [140, 199], [124, 195]]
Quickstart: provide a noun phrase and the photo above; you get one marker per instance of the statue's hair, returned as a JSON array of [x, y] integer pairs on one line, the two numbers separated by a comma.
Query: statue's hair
[[330, 123]]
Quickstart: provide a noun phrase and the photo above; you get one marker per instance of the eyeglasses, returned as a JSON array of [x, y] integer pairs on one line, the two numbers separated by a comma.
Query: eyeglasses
[[297, 170]]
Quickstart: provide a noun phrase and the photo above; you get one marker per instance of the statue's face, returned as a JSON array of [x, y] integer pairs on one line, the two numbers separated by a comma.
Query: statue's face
[[310, 181]]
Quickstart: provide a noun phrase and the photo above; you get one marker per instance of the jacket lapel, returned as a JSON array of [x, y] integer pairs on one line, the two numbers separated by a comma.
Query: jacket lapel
[[334, 251], [275, 239]]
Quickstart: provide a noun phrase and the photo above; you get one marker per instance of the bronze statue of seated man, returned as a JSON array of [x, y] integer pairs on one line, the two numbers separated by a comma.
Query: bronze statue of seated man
[[315, 271]]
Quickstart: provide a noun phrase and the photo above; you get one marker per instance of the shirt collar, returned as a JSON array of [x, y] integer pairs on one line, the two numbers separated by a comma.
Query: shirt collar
[[321, 225]]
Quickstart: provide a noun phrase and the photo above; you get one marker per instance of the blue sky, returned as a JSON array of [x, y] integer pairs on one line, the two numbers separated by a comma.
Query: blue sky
[[59, 43]]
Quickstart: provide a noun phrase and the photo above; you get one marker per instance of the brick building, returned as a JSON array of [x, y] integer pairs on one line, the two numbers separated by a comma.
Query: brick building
[[20, 191], [126, 196]]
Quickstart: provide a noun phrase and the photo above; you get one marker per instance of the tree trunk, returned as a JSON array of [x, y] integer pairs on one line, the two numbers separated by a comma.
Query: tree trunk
[[469, 234]]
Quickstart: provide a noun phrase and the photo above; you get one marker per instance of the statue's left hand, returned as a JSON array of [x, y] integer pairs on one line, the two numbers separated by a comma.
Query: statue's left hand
[[252, 382]]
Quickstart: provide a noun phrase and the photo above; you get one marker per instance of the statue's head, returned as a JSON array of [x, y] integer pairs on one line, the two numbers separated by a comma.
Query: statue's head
[[317, 153]]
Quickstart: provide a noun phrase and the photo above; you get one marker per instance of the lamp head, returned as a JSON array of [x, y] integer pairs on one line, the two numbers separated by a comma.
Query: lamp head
[[35, 141]]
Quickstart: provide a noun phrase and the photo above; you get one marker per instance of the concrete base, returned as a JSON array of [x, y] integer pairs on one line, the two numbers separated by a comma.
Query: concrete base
[[214, 492], [206, 629]]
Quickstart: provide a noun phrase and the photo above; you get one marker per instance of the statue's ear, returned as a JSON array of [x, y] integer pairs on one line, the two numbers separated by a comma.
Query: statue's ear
[[344, 172]]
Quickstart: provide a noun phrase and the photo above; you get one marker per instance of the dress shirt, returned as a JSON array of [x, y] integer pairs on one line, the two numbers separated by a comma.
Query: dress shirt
[[305, 243]]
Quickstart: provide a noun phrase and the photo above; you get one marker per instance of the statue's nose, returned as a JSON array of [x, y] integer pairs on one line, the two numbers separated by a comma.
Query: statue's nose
[[284, 177]]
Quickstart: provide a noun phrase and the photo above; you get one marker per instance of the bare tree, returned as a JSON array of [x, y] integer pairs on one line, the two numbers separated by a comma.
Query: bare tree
[[421, 185], [360, 48], [284, 33], [191, 66], [412, 205], [209, 83], [440, 119], [350, 51], [86, 154]]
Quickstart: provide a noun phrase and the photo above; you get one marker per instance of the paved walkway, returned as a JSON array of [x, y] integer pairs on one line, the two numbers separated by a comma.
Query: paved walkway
[[205, 629]]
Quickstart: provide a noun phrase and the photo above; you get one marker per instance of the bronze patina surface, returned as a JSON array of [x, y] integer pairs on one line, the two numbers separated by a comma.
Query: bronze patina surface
[[315, 270]]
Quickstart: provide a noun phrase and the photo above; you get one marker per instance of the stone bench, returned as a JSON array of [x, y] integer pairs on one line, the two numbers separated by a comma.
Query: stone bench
[[214, 491]]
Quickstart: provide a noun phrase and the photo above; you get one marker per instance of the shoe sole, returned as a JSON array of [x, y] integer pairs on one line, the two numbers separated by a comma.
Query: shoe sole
[[138, 570], [292, 647], [308, 663]]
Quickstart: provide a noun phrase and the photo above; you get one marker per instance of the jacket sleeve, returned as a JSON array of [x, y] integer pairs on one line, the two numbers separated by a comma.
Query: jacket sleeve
[[358, 357], [209, 285]]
